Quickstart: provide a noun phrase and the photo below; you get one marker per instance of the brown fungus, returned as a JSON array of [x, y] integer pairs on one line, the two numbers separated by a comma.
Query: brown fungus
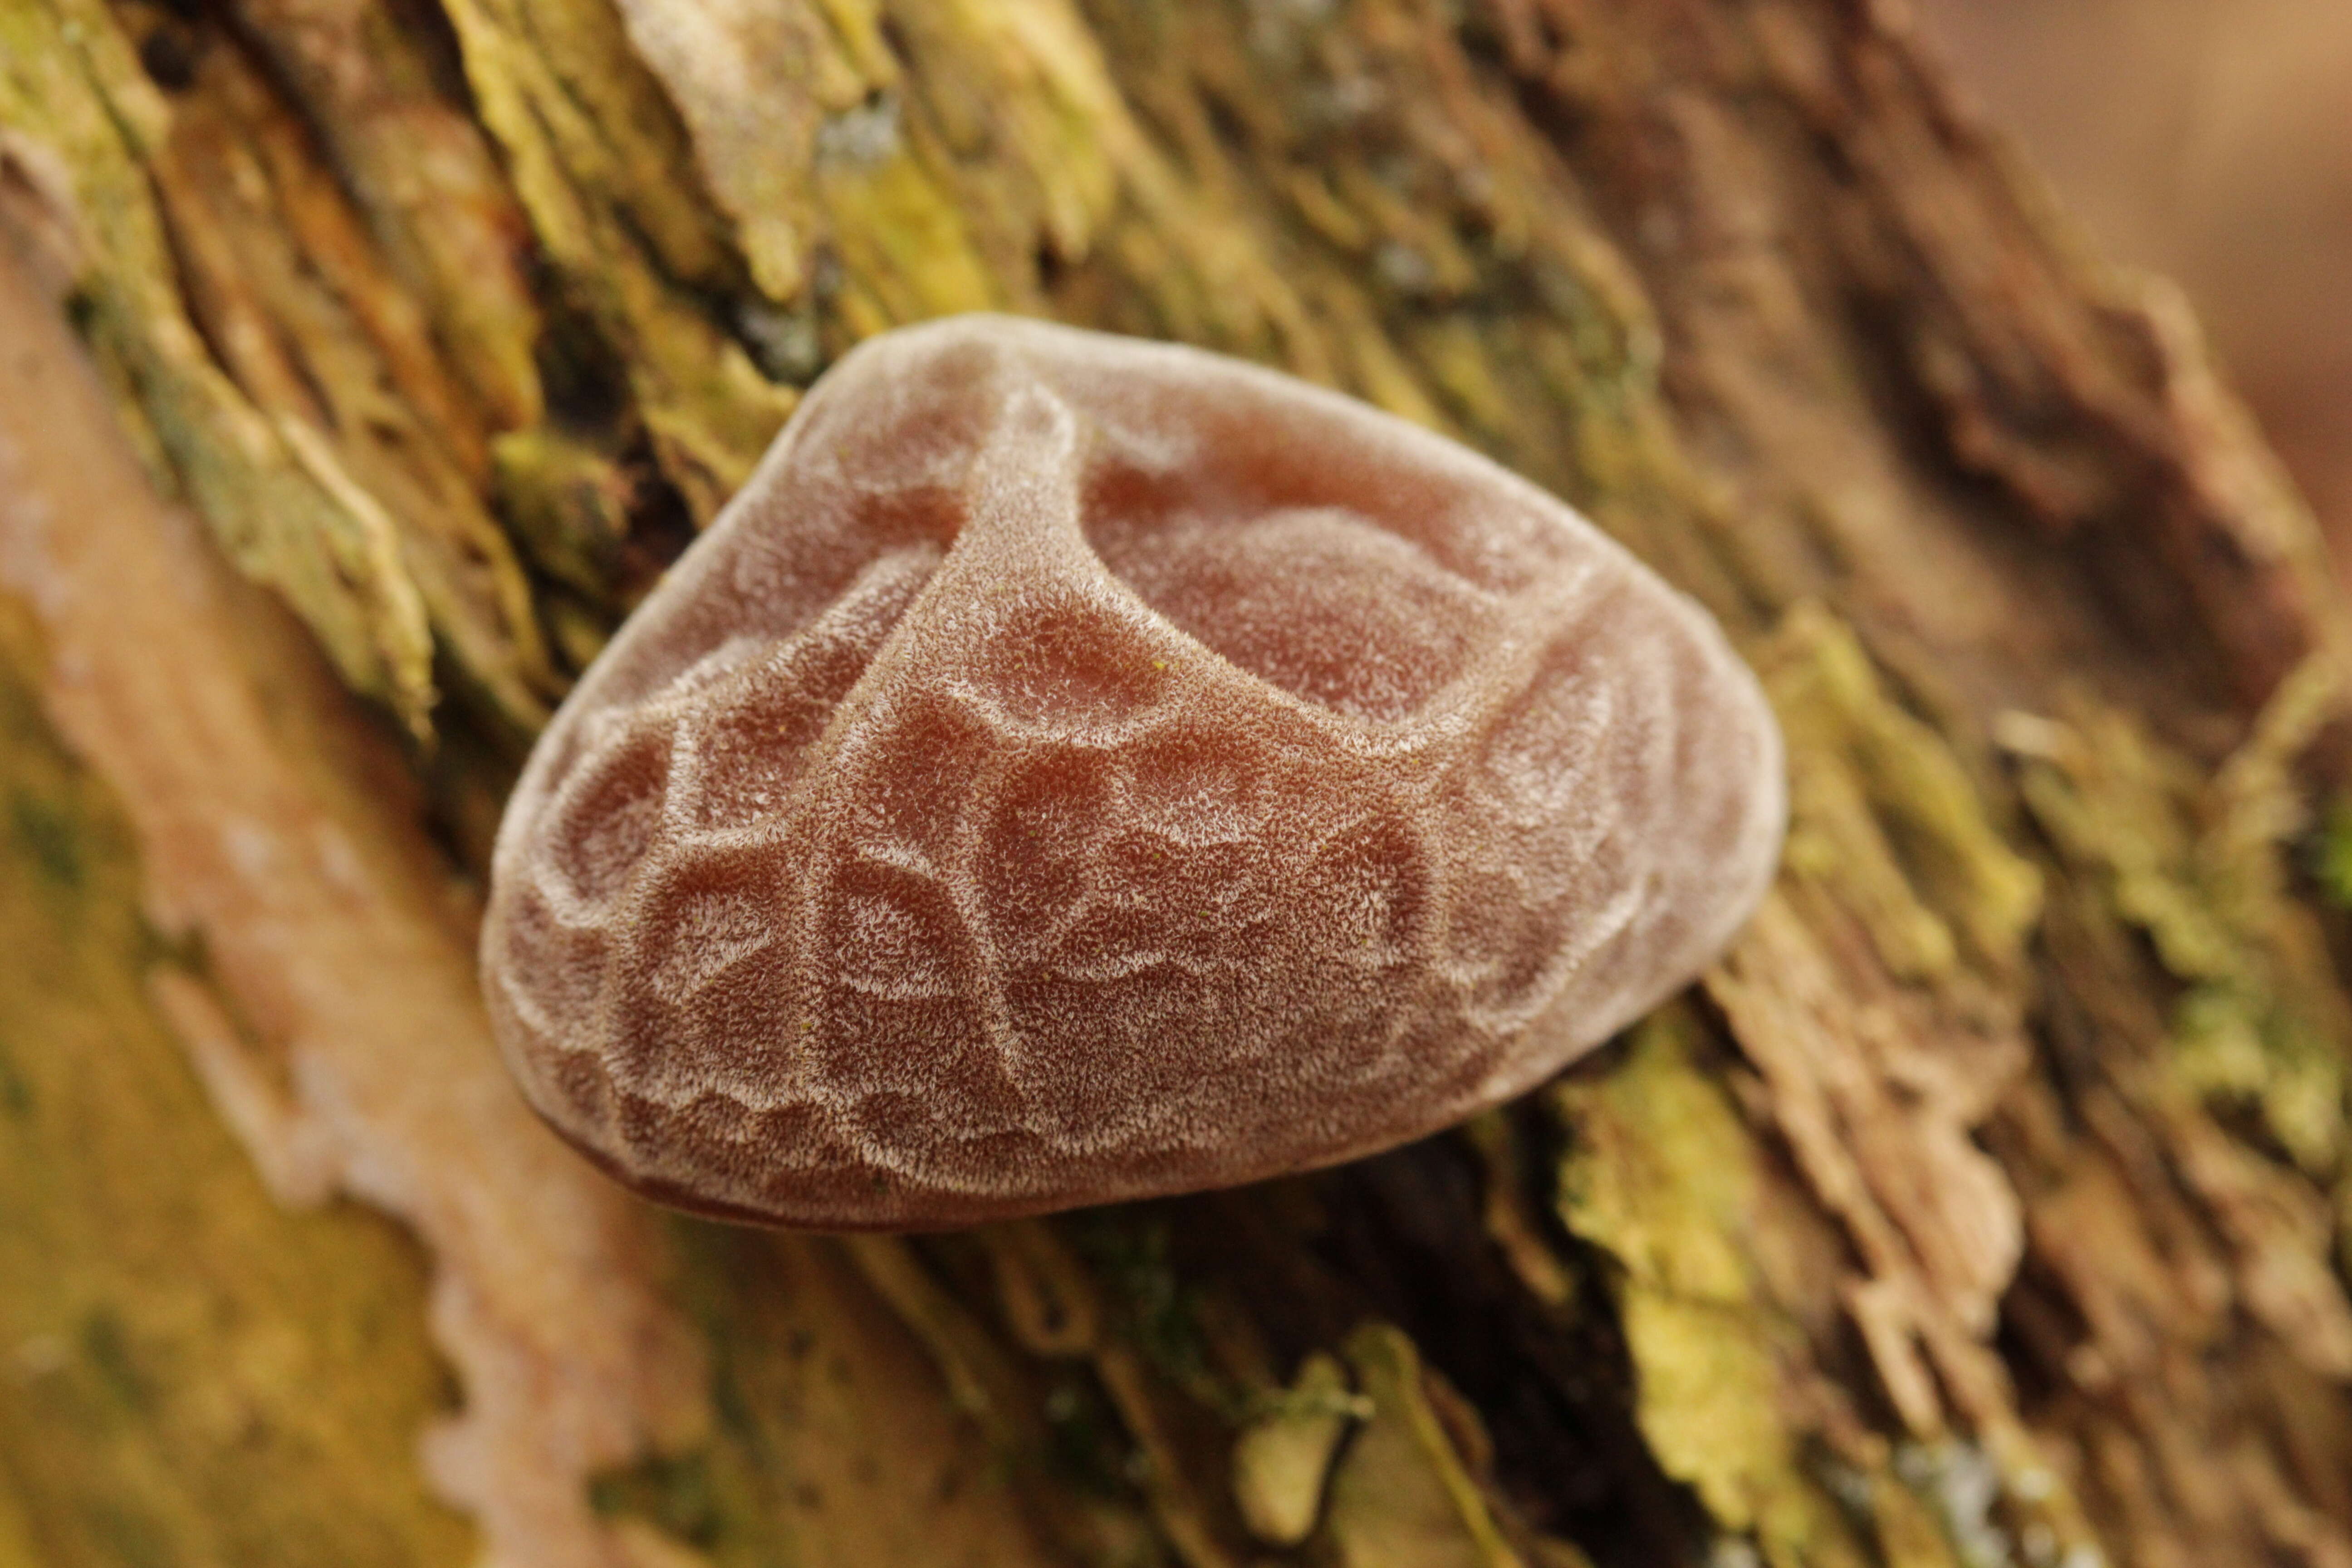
[[1076, 769]]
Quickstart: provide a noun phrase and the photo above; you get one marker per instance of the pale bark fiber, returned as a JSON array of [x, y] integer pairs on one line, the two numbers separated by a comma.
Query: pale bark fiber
[[1989, 1204]]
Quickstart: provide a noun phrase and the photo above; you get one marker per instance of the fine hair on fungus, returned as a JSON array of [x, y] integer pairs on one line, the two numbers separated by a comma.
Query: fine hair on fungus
[[1077, 768]]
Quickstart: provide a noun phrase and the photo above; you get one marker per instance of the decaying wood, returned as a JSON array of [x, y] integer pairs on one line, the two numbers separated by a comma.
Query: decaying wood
[[1989, 1204]]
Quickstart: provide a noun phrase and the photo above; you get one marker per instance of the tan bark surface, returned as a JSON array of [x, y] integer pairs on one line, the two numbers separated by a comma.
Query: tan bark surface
[[1989, 1204]]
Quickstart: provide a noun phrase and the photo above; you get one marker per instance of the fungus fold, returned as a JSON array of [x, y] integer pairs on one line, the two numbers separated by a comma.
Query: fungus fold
[[1077, 768]]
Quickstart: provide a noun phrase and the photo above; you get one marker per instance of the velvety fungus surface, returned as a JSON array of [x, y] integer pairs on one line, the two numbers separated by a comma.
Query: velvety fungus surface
[[1077, 768]]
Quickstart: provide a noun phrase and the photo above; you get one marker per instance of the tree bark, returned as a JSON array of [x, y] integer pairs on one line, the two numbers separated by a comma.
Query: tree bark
[[1987, 1203]]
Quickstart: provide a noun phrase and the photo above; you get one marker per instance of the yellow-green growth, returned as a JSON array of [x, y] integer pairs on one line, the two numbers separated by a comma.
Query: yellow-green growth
[[1882, 814], [191, 1374], [70, 88], [1403, 1497], [2199, 866], [1662, 1176]]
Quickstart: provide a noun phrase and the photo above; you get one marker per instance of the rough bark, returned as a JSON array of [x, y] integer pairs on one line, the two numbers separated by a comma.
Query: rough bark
[[1989, 1204]]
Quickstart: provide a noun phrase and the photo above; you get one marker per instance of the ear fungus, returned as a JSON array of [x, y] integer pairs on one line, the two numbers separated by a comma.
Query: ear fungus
[[1076, 769]]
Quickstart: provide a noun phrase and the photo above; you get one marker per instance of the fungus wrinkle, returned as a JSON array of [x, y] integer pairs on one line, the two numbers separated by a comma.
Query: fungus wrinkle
[[1077, 769]]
